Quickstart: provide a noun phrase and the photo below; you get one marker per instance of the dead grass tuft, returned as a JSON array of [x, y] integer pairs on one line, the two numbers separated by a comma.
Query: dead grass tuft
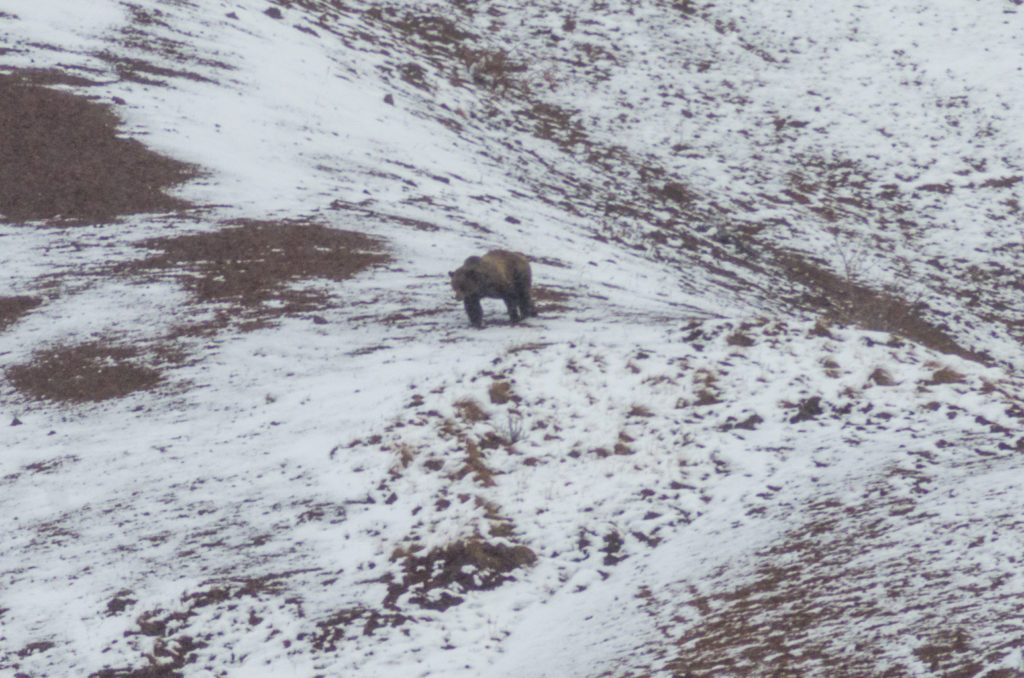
[[474, 464], [881, 377], [501, 393], [739, 338], [706, 397], [639, 411], [947, 375], [471, 411]]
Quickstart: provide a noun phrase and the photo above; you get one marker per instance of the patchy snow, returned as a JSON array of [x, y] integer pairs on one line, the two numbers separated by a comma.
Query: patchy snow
[[702, 458]]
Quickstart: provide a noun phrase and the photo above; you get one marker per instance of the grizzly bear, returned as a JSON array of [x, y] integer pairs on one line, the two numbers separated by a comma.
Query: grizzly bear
[[497, 275]]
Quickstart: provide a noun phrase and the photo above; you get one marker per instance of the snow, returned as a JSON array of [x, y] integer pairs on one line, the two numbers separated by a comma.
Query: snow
[[667, 451]]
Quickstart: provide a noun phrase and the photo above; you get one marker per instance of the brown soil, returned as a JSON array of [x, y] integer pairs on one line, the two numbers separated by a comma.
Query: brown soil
[[473, 565], [253, 264], [84, 373], [12, 308], [61, 158], [834, 595], [844, 301], [337, 628], [551, 301]]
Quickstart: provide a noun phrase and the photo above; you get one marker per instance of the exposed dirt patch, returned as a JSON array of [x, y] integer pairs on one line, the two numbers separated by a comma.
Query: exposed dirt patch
[[85, 373], [473, 565], [50, 465], [49, 76], [846, 301], [829, 597], [61, 158], [151, 32], [253, 265], [339, 626], [173, 648], [12, 308], [33, 648], [433, 34], [551, 301], [154, 671]]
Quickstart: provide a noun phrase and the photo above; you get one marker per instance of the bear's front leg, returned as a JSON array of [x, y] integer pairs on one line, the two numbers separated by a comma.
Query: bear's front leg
[[526, 307], [513, 309], [474, 311]]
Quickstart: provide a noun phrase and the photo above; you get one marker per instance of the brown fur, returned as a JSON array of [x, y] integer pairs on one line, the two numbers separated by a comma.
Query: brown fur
[[497, 275]]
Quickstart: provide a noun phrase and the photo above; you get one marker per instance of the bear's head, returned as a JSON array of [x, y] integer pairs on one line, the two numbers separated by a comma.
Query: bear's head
[[466, 280], [461, 280]]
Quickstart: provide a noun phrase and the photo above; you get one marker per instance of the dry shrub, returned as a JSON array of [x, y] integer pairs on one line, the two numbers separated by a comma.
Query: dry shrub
[[512, 433], [490, 68]]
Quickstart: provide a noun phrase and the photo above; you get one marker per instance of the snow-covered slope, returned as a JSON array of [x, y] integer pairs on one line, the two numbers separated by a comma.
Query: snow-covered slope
[[766, 423]]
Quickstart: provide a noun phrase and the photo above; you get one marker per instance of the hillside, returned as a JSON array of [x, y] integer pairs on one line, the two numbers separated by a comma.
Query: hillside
[[767, 421]]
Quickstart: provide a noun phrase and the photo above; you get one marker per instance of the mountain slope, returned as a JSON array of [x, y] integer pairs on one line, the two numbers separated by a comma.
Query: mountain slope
[[766, 422]]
